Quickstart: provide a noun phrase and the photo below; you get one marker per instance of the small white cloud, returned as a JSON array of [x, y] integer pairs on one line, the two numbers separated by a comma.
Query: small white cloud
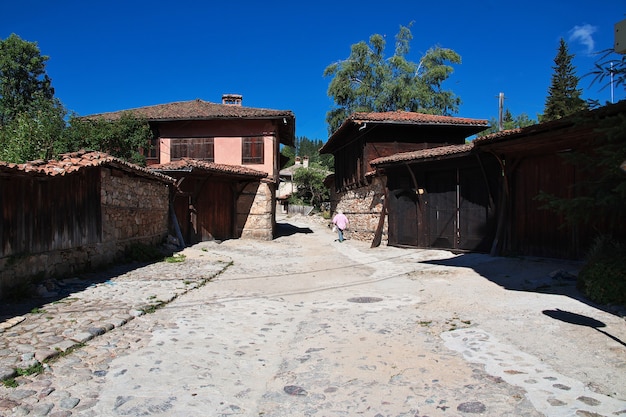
[[583, 34]]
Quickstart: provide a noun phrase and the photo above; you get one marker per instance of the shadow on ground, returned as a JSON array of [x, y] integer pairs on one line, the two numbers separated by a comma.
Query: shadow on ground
[[288, 229], [59, 288], [580, 320], [542, 275]]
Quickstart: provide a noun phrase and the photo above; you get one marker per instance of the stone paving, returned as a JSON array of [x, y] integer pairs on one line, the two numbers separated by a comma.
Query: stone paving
[[304, 326], [88, 306]]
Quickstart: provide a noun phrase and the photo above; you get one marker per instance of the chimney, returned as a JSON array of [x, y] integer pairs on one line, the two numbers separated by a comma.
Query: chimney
[[297, 160], [232, 99], [305, 162]]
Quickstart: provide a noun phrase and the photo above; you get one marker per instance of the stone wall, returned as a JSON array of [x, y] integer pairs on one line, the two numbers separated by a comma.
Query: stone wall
[[256, 211], [362, 206], [133, 209]]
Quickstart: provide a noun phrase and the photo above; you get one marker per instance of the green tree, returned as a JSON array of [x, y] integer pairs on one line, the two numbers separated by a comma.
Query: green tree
[[564, 96], [367, 81], [34, 134], [508, 122], [23, 78], [123, 138], [31, 119], [310, 185], [310, 148]]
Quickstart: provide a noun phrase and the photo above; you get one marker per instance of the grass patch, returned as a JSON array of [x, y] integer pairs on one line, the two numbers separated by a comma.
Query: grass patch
[[175, 258], [34, 369], [37, 310], [152, 307], [10, 383]]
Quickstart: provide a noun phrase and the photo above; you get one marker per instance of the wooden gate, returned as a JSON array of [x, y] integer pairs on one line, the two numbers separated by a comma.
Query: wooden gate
[[440, 210], [205, 210], [403, 222], [455, 208]]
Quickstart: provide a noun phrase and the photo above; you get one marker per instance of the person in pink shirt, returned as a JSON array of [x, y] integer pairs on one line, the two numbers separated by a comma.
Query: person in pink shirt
[[341, 223]]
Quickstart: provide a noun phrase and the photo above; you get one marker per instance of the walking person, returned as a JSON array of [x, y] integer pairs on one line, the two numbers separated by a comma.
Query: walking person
[[341, 223]]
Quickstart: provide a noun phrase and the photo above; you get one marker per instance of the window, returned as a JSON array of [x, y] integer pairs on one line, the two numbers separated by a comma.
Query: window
[[252, 151], [196, 148], [152, 151]]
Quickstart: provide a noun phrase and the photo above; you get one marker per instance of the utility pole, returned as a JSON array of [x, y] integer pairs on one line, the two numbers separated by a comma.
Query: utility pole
[[500, 110]]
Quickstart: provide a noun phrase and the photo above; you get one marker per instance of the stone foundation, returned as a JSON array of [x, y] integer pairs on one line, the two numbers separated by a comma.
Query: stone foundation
[[362, 206], [256, 212]]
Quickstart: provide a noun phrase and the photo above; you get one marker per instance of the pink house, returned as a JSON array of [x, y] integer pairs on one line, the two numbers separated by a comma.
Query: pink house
[[226, 151]]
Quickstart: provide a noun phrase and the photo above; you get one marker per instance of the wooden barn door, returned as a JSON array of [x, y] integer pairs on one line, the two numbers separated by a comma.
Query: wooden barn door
[[215, 211], [440, 210], [476, 227], [403, 218]]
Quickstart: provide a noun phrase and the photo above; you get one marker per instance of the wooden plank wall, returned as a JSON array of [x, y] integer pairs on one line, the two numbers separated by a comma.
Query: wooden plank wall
[[41, 214]]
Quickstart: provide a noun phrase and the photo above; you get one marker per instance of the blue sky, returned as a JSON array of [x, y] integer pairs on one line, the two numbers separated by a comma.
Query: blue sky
[[114, 55]]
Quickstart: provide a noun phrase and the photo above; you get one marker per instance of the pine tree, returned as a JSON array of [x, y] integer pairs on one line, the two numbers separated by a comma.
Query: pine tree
[[564, 97]]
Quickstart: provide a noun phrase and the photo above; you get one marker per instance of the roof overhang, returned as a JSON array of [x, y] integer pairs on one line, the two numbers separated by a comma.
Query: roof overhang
[[359, 122]]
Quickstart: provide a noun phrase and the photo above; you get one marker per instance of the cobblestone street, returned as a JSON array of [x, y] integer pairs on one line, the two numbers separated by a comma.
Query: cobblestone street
[[307, 326]]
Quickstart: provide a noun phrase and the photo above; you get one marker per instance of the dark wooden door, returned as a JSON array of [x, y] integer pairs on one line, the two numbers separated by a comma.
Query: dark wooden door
[[215, 211], [475, 221], [440, 210], [403, 218]]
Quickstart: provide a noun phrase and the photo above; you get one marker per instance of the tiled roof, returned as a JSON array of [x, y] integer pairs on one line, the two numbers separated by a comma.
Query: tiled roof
[[75, 161], [188, 164], [415, 118], [346, 131], [195, 109], [609, 110], [423, 154], [498, 135]]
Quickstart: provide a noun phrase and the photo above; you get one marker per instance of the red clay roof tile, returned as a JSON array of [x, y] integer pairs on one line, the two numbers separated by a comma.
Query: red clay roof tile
[[194, 109], [188, 163], [415, 118], [438, 152], [76, 161]]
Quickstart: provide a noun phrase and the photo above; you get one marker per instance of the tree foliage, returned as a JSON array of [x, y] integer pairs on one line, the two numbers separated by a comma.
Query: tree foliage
[[310, 186], [33, 122], [602, 185], [508, 122], [23, 78], [123, 138], [310, 148], [564, 96], [31, 119], [601, 189], [368, 82], [34, 134], [608, 69]]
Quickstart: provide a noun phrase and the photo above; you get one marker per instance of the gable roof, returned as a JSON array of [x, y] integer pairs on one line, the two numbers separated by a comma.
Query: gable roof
[[469, 126], [73, 162], [204, 110], [192, 165], [414, 118], [195, 110], [438, 153]]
